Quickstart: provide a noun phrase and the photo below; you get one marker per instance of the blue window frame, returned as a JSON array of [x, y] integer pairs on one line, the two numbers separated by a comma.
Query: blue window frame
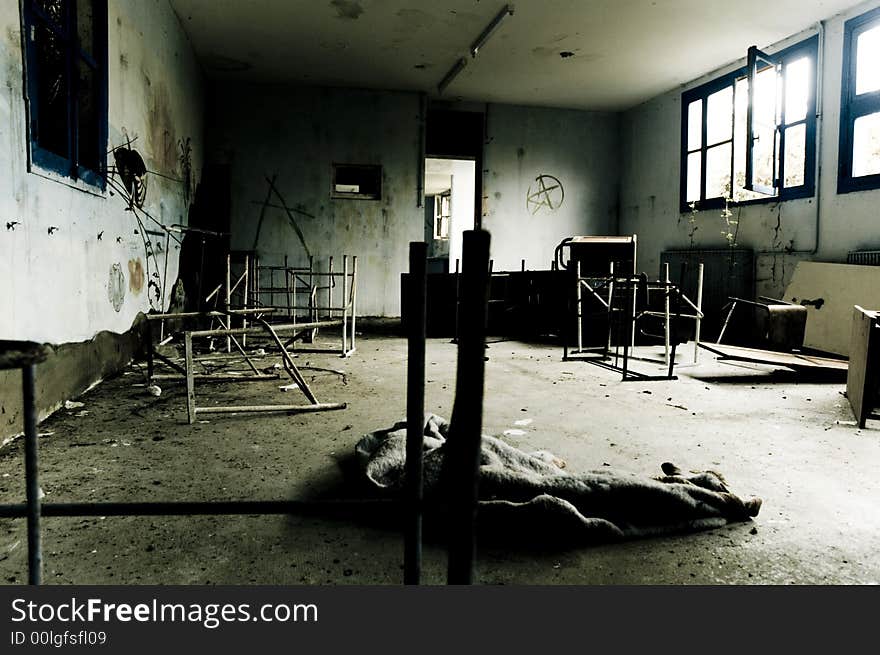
[[714, 125], [859, 153], [66, 71]]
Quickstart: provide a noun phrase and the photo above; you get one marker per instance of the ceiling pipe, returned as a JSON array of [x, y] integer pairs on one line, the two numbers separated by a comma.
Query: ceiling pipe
[[453, 72], [490, 29]]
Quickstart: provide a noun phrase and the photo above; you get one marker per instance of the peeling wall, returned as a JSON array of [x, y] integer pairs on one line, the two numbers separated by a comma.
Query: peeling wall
[[549, 174], [74, 269], [76, 263], [651, 136], [295, 135]]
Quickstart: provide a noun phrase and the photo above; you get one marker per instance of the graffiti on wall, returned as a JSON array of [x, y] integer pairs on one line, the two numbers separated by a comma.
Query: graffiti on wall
[[546, 192]]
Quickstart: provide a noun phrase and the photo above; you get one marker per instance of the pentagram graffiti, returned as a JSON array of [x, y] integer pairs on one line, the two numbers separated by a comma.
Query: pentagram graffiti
[[546, 192]]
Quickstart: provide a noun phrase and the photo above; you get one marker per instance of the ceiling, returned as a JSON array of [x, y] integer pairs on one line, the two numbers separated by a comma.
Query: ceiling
[[584, 54]]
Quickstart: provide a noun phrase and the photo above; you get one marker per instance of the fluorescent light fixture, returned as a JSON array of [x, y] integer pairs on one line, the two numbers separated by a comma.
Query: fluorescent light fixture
[[455, 70], [490, 28]]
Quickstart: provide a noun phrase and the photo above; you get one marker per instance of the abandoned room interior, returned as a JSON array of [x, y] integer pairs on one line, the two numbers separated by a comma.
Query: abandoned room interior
[[362, 292]]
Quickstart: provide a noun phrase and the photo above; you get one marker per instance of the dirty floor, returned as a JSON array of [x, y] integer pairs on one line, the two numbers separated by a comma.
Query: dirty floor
[[772, 434]]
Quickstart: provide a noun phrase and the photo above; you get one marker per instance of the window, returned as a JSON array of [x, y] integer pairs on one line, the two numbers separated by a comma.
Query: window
[[859, 158], [66, 66], [356, 181], [715, 121], [442, 215]]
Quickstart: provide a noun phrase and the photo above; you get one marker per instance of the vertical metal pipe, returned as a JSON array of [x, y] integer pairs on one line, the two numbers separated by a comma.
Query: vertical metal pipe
[[416, 329], [31, 474], [462, 462]]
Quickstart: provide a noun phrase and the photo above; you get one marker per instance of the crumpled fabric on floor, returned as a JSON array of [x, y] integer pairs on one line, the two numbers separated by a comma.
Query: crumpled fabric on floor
[[534, 488]]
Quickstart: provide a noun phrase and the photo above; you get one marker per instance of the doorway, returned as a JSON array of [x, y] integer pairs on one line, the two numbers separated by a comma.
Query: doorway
[[449, 209]]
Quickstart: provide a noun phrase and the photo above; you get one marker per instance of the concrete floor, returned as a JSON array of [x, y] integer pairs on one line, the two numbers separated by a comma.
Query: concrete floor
[[791, 442]]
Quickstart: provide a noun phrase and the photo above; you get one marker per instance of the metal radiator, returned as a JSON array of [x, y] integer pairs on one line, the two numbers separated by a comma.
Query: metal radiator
[[726, 272], [863, 257]]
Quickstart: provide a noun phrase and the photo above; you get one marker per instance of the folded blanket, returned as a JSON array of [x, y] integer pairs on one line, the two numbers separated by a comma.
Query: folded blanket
[[597, 504]]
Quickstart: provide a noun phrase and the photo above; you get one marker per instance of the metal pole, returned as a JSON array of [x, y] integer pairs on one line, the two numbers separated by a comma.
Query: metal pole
[[666, 314], [416, 328], [344, 303], [31, 473], [580, 319], [228, 293], [462, 461], [247, 283], [354, 296], [330, 289], [699, 312]]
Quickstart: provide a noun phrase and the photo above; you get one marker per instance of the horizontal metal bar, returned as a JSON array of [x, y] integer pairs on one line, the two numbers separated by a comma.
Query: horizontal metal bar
[[286, 327], [234, 312], [192, 508], [211, 377], [318, 407]]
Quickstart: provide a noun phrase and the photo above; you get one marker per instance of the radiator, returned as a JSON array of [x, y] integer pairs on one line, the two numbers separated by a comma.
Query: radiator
[[863, 257], [726, 272]]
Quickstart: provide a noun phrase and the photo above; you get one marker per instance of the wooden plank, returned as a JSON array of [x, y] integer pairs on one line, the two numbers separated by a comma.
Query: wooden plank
[[773, 358], [829, 292], [861, 381]]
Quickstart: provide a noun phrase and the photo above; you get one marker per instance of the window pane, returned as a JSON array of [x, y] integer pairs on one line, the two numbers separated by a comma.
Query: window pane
[[693, 177], [739, 143], [795, 155], [51, 92], [866, 145], [867, 58], [719, 116], [695, 125], [88, 114], [718, 171], [797, 89], [85, 26]]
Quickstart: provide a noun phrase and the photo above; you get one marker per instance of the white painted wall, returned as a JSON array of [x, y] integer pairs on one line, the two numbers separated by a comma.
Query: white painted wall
[[649, 194], [461, 205], [54, 288], [579, 148]]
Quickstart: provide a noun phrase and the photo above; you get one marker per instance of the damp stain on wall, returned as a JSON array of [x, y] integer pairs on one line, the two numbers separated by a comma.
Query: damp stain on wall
[[135, 275], [162, 141], [116, 287], [347, 9]]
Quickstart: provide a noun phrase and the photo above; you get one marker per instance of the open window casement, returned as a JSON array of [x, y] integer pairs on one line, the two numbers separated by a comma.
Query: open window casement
[[763, 121]]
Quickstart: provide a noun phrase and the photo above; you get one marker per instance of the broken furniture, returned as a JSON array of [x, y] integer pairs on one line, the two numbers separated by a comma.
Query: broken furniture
[[863, 377], [287, 361], [779, 324], [626, 301], [26, 355]]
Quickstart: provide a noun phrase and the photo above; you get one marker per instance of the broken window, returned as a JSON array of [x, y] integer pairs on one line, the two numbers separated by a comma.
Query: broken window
[[859, 159], [358, 181], [66, 54], [718, 161], [442, 215]]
